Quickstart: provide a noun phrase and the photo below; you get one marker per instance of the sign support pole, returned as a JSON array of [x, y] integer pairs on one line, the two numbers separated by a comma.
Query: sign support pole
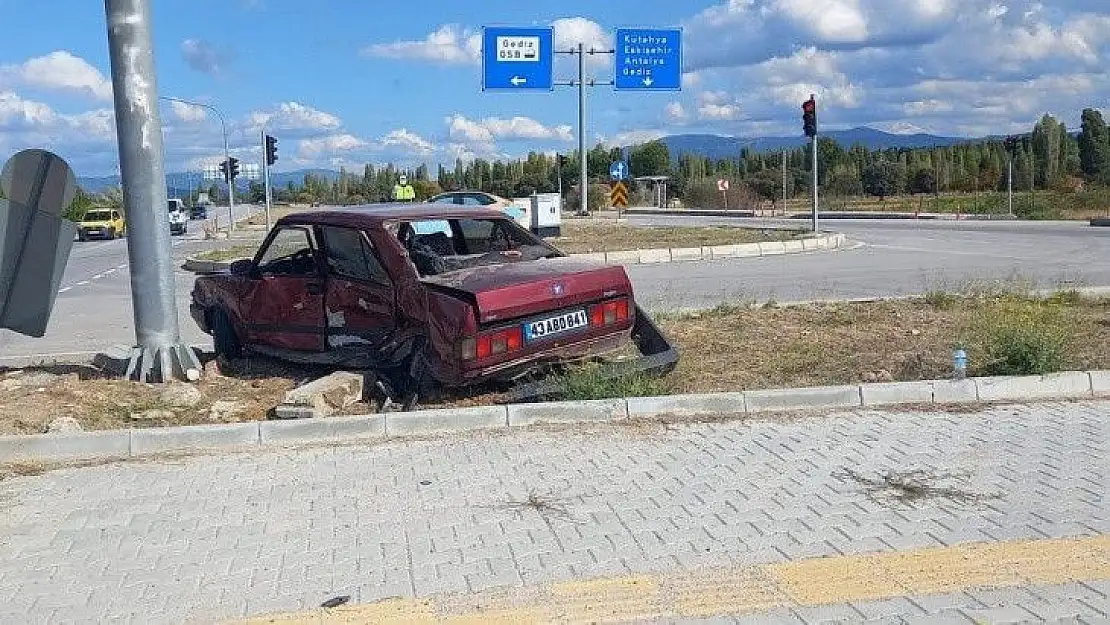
[[160, 355], [583, 166]]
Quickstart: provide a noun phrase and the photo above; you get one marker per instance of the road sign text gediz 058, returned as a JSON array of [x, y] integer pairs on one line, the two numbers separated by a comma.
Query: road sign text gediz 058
[[518, 59], [648, 59]]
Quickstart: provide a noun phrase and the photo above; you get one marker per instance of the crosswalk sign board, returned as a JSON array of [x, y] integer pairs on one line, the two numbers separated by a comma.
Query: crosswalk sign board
[[618, 196]]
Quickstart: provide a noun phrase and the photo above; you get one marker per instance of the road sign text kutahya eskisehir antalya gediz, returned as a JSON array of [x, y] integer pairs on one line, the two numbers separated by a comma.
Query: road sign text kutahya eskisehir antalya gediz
[[648, 59]]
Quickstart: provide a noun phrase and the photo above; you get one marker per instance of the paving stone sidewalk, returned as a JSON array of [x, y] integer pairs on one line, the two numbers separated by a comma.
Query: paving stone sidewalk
[[202, 538]]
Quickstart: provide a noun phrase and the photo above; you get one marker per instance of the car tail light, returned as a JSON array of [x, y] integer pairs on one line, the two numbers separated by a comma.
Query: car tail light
[[609, 313], [492, 344]]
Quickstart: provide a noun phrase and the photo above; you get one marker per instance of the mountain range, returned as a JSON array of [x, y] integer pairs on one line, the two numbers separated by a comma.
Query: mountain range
[[711, 146]]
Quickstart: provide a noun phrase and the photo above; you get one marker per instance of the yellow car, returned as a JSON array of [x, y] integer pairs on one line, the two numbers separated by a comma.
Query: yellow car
[[104, 223]]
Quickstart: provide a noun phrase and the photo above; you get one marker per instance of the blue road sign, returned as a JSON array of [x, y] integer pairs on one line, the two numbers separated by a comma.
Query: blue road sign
[[649, 59], [518, 59], [618, 170]]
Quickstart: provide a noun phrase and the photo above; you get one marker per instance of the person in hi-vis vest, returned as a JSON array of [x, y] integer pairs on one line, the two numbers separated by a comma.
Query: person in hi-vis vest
[[403, 191]]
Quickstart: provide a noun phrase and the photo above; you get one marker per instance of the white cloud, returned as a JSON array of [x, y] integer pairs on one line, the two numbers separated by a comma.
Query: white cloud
[[328, 146], [187, 112], [632, 137], [449, 44], [675, 112], [204, 57], [833, 21], [59, 71], [490, 129], [407, 141], [571, 31], [293, 116]]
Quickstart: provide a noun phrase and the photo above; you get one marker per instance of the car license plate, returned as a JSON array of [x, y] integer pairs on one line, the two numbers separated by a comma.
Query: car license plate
[[559, 324]]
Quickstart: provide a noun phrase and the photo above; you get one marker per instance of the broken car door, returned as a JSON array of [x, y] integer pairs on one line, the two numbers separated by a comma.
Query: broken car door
[[284, 304], [359, 306]]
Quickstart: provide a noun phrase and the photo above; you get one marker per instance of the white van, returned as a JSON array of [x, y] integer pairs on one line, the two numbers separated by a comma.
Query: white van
[[179, 217]]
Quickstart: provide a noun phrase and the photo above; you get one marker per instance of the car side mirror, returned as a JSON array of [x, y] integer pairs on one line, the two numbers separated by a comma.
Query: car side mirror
[[244, 267]]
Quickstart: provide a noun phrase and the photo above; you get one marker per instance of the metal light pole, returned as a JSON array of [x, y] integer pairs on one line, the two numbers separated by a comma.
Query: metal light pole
[[815, 218], [227, 157], [1010, 186], [266, 176], [583, 170], [159, 355]]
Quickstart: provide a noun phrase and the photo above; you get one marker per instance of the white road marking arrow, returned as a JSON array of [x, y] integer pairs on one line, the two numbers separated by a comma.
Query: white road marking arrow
[[518, 81], [648, 82]]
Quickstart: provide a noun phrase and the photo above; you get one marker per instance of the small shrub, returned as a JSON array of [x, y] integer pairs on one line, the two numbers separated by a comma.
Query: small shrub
[[586, 383], [1022, 337], [940, 300], [1069, 297]]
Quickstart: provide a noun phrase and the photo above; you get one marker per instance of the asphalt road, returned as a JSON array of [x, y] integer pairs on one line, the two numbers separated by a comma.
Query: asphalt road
[[890, 258], [93, 310]]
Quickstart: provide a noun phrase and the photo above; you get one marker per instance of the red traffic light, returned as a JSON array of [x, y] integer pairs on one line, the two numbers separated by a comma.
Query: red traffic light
[[809, 106]]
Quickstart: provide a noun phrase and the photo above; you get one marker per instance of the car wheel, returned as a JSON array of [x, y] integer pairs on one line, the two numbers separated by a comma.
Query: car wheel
[[224, 339], [112, 234]]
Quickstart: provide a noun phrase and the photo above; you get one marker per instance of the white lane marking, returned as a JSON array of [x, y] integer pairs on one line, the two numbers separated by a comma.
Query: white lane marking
[[109, 272], [64, 289], [83, 283], [123, 266], [98, 276]]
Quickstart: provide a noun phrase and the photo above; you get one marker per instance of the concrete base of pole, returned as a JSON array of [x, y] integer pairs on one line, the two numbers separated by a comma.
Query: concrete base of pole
[[146, 364]]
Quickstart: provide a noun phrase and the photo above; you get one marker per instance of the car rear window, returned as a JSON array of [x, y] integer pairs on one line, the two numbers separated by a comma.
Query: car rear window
[[441, 246], [98, 216]]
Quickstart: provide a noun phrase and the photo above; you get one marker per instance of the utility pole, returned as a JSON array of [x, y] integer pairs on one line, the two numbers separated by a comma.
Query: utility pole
[[227, 158], [784, 182], [160, 355]]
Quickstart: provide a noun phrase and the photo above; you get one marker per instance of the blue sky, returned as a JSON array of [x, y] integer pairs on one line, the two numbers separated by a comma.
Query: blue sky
[[344, 83]]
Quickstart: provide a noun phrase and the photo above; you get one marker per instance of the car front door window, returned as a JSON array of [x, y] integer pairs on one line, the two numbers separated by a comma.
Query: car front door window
[[290, 253]]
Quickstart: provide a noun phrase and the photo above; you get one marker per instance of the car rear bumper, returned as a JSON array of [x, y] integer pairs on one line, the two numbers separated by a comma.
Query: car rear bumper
[[540, 361]]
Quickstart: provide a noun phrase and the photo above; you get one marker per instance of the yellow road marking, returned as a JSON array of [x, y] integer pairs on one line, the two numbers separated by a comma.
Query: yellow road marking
[[838, 579]]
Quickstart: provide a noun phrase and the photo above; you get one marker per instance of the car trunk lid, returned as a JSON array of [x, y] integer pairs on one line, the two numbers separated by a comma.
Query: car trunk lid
[[512, 290]]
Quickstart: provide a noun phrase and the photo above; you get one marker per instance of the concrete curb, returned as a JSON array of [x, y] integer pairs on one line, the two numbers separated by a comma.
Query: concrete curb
[[641, 257], [830, 215], [114, 444]]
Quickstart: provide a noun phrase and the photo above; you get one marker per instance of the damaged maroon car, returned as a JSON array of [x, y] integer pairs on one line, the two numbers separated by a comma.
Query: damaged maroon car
[[424, 296]]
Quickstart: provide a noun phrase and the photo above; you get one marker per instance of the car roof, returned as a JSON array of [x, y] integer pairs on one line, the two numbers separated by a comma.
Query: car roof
[[373, 215]]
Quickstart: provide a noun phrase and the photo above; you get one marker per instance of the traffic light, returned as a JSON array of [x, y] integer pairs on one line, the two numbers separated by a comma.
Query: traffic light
[[234, 168], [224, 171], [809, 117], [271, 150]]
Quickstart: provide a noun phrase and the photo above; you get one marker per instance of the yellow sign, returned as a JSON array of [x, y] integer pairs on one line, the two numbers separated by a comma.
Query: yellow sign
[[619, 195]]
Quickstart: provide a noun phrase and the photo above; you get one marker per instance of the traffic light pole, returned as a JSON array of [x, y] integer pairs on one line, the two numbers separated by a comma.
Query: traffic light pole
[[816, 226], [227, 155], [266, 177], [160, 355]]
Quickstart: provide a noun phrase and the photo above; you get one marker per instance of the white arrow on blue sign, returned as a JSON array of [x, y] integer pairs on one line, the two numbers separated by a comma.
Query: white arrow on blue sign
[[618, 170], [518, 59], [648, 59]]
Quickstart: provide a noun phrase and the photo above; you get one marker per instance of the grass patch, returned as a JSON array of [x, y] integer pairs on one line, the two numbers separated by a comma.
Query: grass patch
[[581, 236], [1022, 337], [230, 253], [743, 347], [587, 382]]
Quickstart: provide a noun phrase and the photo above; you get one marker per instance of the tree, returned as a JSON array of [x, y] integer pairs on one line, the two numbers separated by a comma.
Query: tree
[[882, 179], [767, 185], [81, 203], [257, 192], [924, 181], [843, 181], [1046, 150], [651, 159], [1094, 145]]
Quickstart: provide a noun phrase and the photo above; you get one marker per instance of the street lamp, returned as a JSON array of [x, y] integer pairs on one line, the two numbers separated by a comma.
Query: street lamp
[[227, 157]]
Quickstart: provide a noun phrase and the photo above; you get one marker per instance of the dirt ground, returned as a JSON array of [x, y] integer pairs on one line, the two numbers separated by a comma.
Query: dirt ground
[[727, 349], [596, 235]]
